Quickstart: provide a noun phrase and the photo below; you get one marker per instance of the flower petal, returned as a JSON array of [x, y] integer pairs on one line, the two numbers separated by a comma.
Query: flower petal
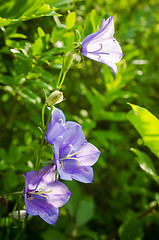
[[46, 176], [31, 180], [56, 125], [40, 206], [29, 176], [73, 137], [57, 115], [107, 28], [105, 48], [70, 124], [84, 174], [53, 131], [60, 194], [88, 155], [63, 175]]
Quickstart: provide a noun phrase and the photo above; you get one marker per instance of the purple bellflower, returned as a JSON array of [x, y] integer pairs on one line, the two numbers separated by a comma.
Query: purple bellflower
[[74, 156], [43, 195], [102, 47]]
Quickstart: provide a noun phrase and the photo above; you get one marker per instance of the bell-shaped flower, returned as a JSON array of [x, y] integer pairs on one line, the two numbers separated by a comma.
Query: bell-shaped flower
[[74, 156], [57, 125], [43, 194], [102, 47]]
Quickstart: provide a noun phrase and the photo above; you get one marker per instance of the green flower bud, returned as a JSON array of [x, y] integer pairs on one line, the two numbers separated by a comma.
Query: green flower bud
[[54, 98]]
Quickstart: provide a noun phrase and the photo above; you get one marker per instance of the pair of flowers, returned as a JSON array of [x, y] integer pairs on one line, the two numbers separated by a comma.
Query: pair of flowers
[[73, 158]]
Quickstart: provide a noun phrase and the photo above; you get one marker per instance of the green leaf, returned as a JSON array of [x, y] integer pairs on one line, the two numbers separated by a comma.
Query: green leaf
[[147, 125], [85, 211], [60, 4], [131, 229], [88, 29], [27, 138], [17, 35], [113, 116], [93, 17], [4, 22], [53, 234], [38, 46], [74, 201], [70, 20], [41, 32], [3, 155], [10, 180], [145, 163], [15, 11], [29, 95]]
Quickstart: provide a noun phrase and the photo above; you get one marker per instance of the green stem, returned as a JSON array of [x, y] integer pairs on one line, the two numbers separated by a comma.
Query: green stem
[[62, 80], [59, 78], [37, 164], [17, 193]]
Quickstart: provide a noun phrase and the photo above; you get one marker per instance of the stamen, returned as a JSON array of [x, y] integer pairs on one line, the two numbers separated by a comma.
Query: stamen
[[62, 123], [69, 155], [39, 192]]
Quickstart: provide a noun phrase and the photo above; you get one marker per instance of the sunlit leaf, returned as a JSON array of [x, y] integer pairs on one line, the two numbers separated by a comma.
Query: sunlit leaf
[[4, 22], [70, 20], [147, 125], [93, 17], [15, 11], [59, 3]]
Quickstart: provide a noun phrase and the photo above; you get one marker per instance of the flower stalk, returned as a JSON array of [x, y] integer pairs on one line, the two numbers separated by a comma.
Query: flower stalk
[[44, 127]]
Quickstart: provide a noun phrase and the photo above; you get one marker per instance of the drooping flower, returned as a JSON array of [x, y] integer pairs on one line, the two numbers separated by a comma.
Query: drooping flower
[[102, 47], [43, 195], [74, 156]]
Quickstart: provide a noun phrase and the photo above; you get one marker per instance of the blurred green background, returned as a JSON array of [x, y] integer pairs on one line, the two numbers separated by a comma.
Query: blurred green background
[[34, 37]]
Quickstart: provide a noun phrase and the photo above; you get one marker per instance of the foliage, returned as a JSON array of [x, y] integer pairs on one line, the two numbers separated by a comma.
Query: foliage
[[36, 37]]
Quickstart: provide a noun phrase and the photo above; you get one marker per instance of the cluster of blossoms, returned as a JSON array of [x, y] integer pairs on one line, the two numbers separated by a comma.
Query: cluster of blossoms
[[73, 155], [73, 158]]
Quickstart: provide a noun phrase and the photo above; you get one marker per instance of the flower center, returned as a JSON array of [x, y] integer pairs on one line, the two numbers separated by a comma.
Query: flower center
[[70, 155], [40, 192]]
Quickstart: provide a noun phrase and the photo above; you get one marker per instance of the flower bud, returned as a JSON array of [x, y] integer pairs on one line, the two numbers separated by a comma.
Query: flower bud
[[54, 98]]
